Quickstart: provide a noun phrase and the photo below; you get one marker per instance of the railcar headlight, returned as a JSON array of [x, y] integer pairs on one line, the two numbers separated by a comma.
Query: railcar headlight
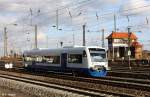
[[25, 65]]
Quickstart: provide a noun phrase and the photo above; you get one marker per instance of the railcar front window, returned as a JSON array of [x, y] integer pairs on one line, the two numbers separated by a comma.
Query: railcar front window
[[97, 55], [28, 59]]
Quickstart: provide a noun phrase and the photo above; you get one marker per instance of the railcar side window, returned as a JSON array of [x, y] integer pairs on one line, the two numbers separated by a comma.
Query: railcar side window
[[39, 59], [74, 58], [27, 58], [51, 59]]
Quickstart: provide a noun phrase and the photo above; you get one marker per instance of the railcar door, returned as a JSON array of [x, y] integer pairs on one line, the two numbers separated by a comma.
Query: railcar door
[[63, 60]]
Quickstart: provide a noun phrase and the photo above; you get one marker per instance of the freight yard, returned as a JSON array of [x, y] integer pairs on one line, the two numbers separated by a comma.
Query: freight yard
[[74, 48]]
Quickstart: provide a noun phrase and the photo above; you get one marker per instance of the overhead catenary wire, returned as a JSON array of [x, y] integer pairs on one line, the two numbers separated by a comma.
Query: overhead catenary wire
[[64, 7], [51, 17], [106, 14], [101, 16], [79, 3]]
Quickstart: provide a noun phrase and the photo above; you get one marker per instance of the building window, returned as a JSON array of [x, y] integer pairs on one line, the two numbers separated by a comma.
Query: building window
[[74, 58], [124, 41]]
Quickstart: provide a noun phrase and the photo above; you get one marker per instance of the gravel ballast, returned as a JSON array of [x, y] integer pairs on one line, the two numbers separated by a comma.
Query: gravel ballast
[[12, 88]]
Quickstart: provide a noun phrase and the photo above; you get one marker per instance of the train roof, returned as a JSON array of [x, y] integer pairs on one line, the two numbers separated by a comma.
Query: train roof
[[58, 50]]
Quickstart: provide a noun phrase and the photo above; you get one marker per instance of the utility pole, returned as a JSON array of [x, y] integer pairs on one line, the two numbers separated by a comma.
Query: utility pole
[[115, 27], [84, 35], [57, 19], [31, 16], [73, 35], [103, 44], [129, 52], [47, 41], [73, 39], [5, 41], [35, 37]]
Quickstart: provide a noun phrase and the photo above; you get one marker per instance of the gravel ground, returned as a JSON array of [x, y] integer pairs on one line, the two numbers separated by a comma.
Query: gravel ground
[[6, 92], [12, 88]]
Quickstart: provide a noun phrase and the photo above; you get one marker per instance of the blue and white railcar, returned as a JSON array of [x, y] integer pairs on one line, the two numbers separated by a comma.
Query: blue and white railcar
[[89, 60]]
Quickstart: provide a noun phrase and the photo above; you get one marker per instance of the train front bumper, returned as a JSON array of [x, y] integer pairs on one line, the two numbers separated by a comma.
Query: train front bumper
[[94, 73], [97, 73]]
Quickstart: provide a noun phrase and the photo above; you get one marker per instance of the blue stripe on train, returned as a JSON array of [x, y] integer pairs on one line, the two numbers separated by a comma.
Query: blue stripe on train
[[87, 71], [94, 73]]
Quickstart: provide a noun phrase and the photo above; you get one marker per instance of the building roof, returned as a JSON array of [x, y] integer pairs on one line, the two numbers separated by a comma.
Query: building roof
[[118, 35]]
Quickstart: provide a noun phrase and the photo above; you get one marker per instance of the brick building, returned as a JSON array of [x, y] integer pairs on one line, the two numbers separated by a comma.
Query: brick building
[[119, 43]]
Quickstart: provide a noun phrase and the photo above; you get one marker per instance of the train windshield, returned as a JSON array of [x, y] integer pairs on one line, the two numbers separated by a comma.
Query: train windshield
[[97, 55]]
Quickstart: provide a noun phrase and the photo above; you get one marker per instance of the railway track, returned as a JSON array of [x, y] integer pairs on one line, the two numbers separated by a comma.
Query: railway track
[[71, 88], [85, 92], [128, 74], [132, 68], [120, 86]]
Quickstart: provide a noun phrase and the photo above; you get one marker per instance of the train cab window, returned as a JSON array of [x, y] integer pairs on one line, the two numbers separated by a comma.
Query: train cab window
[[75, 58]]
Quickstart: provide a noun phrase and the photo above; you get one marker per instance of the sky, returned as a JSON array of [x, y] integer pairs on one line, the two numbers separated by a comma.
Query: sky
[[72, 15]]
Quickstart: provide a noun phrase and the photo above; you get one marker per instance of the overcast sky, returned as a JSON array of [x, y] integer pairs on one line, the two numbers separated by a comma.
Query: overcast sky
[[72, 14]]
